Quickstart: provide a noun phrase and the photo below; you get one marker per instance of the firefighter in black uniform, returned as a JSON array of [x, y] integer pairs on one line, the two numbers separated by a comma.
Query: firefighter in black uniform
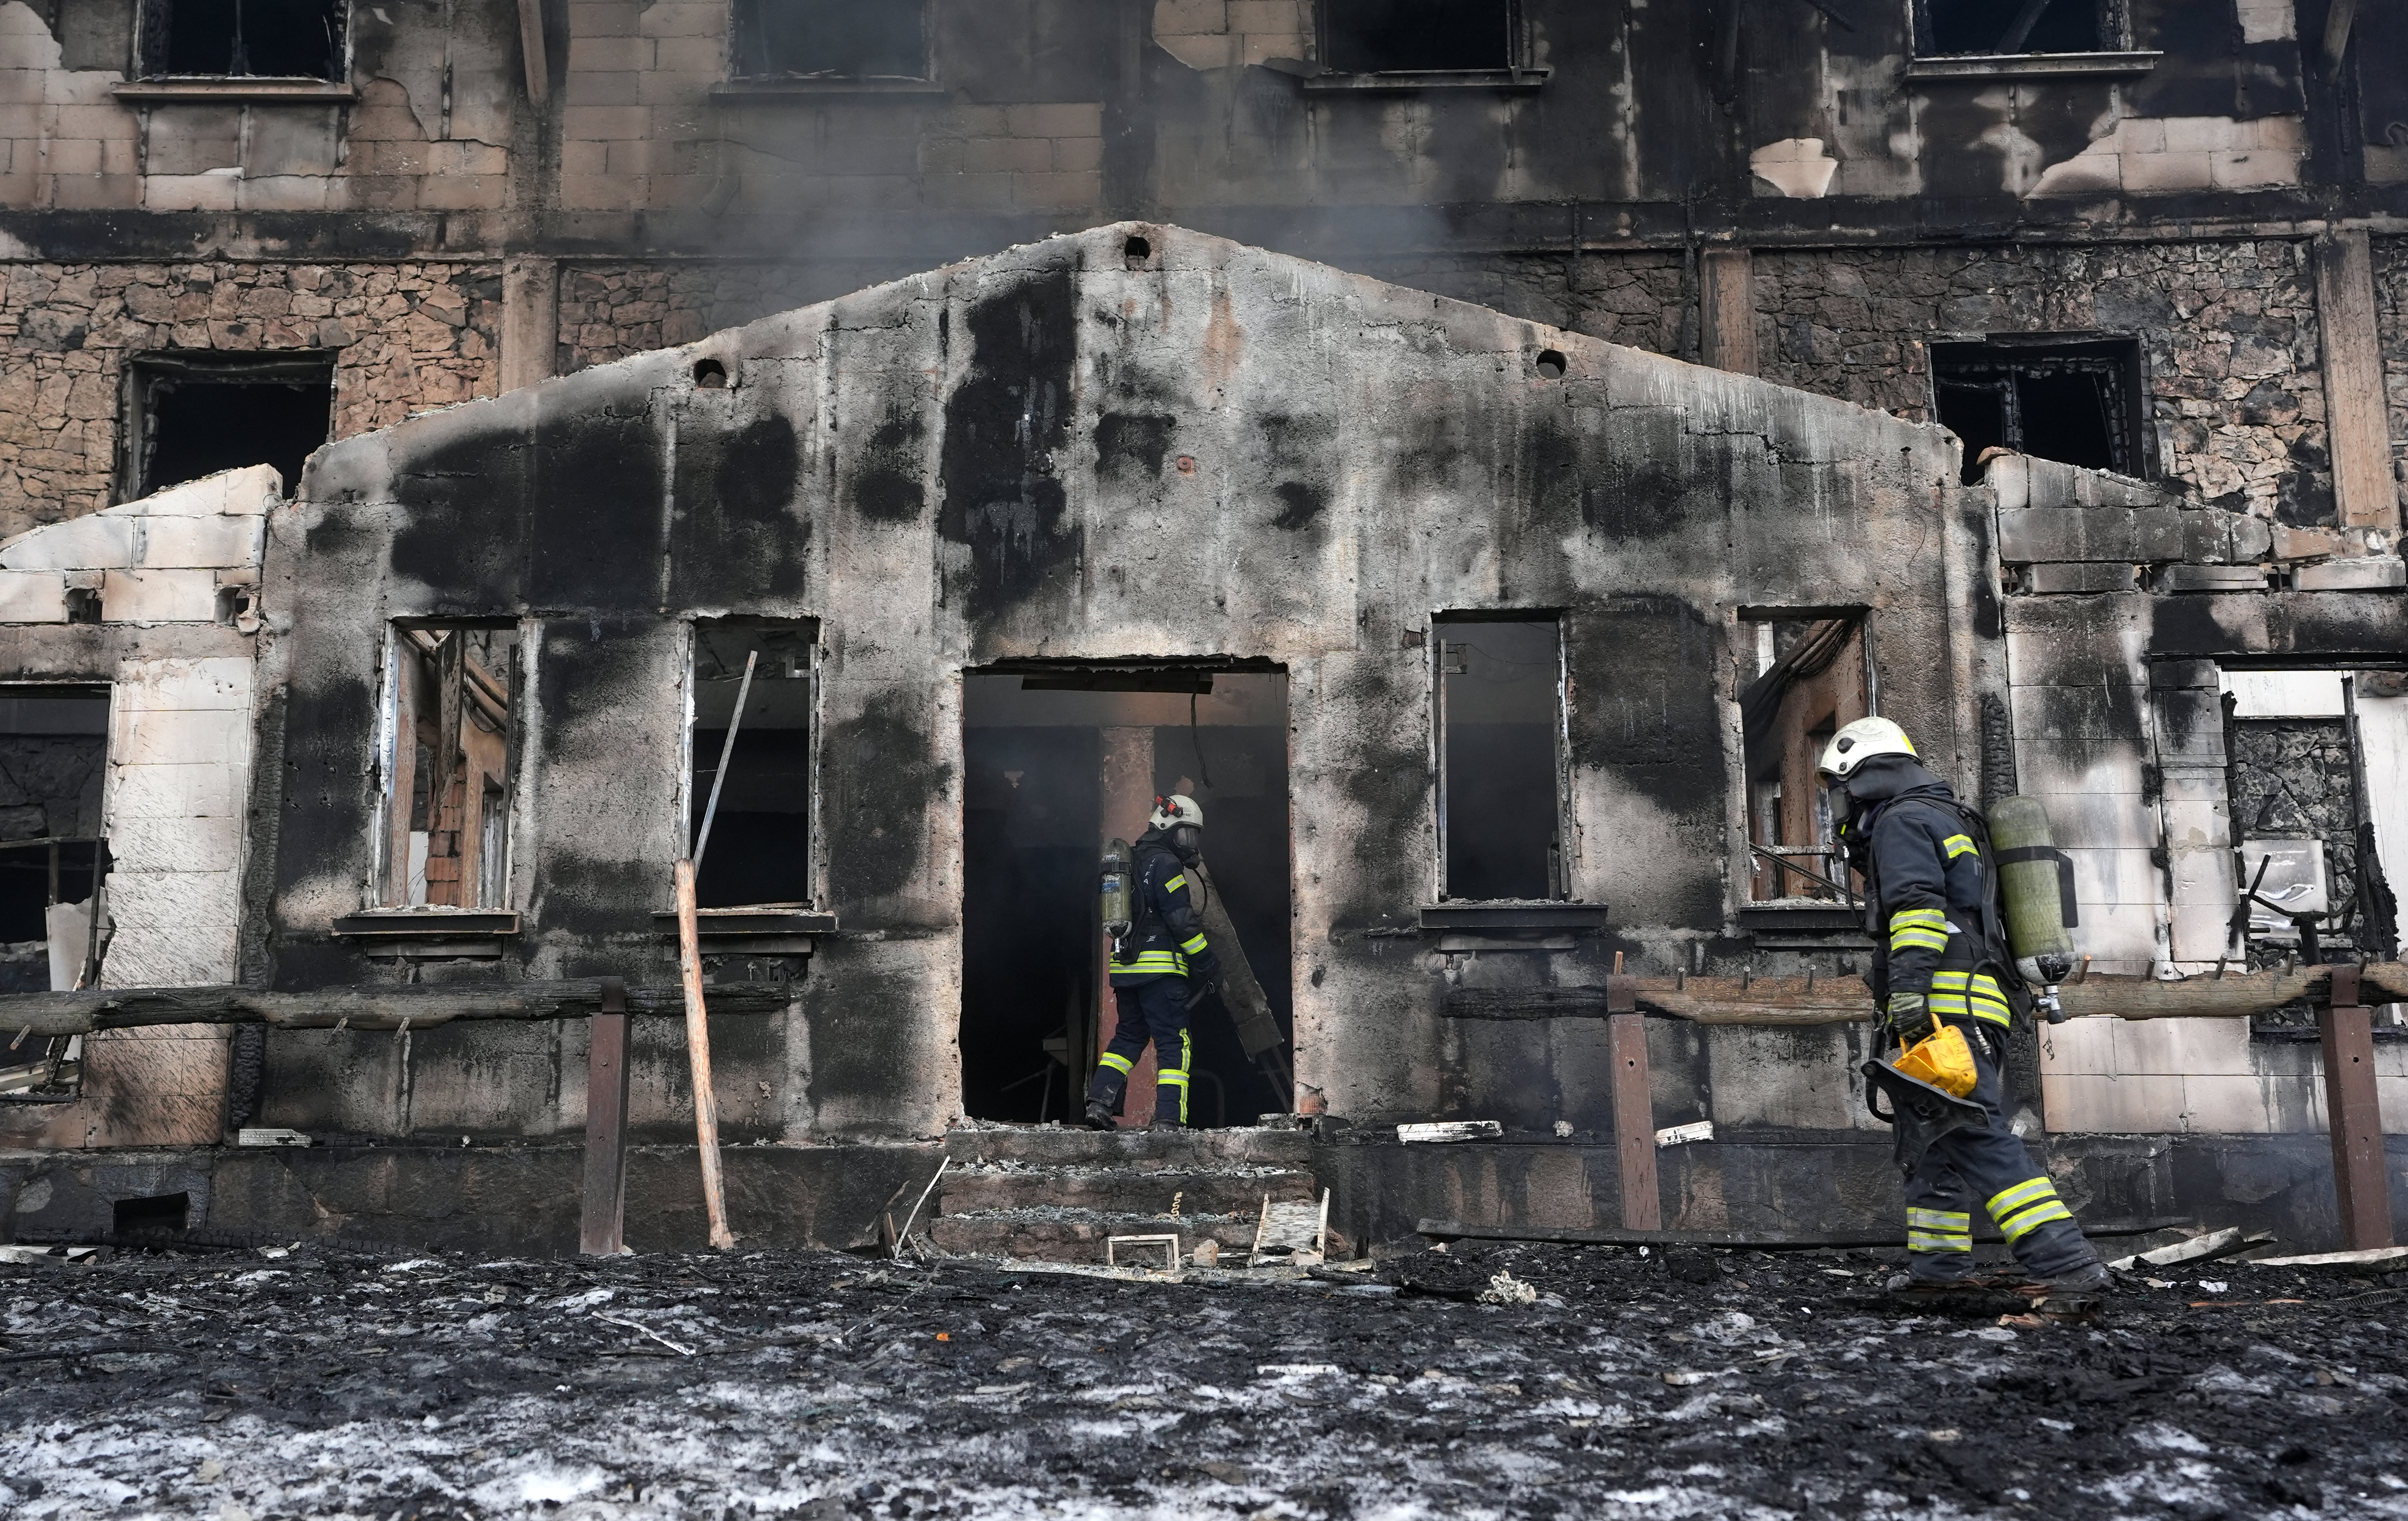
[[1154, 967], [1927, 910]]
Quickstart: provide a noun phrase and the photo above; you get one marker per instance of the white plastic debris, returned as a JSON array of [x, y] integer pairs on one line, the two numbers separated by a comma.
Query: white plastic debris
[[1504, 1288]]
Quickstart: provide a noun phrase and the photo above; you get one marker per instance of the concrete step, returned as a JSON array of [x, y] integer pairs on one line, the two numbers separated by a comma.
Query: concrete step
[[1077, 1235], [1236, 1189], [1063, 1146]]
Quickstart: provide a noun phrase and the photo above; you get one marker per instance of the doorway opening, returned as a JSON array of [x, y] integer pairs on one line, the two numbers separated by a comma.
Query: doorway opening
[[1059, 761]]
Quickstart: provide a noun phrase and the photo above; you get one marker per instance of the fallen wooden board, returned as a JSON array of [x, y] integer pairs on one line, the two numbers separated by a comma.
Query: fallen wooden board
[[2369, 1257], [358, 1008], [2215, 1243]]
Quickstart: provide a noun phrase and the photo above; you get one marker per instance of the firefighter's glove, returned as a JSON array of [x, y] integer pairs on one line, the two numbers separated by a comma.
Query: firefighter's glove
[[1910, 1018], [1203, 975]]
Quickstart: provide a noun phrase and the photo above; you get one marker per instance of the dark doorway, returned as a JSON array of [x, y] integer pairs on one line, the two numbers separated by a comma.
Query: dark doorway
[[1051, 775], [195, 415], [2075, 403], [760, 851], [1386, 37]]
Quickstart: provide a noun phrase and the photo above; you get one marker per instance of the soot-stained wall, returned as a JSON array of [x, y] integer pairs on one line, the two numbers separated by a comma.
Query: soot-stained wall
[[1090, 448]]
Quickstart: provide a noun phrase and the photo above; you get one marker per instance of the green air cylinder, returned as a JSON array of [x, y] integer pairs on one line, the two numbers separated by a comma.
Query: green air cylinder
[[2035, 890], [1118, 878]]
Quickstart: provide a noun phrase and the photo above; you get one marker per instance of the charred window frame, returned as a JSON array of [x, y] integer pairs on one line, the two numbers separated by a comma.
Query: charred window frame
[[54, 867], [765, 835], [1988, 29], [449, 754], [1502, 750], [1803, 674], [1421, 36], [2077, 402], [830, 39], [274, 39], [192, 414]]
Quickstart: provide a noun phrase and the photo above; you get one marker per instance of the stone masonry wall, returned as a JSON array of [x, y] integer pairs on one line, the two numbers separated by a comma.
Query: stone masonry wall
[[406, 337], [2391, 324], [2227, 339], [609, 311]]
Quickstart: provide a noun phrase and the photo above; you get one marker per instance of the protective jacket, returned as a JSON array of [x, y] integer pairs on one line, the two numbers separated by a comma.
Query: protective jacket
[[1927, 907], [1165, 936]]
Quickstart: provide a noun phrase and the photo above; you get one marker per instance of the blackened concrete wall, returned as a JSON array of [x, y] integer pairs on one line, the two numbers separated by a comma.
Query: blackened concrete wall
[[1065, 451]]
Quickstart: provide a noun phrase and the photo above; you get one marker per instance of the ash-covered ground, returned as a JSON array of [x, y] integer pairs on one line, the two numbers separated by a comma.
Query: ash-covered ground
[[333, 1384]]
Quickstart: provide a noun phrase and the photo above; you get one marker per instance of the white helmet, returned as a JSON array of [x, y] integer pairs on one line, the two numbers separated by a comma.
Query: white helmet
[[1175, 810], [1860, 741]]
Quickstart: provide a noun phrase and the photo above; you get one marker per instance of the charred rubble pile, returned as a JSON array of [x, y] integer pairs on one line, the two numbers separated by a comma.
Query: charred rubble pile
[[1490, 1379]]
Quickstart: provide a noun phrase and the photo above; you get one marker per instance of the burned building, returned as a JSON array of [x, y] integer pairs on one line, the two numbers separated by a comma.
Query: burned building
[[1559, 418]]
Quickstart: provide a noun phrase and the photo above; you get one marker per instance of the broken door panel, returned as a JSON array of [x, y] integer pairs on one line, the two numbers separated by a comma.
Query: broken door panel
[[449, 752]]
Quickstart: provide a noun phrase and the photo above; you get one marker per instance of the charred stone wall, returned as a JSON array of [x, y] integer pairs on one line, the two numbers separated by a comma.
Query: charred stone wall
[[404, 336], [2227, 333]]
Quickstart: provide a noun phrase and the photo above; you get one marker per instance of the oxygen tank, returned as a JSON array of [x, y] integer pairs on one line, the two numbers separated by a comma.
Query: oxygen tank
[[1116, 877], [2035, 890]]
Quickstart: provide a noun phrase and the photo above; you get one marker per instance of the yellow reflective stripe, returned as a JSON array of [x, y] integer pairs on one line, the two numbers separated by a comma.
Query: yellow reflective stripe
[[1170, 1076], [1944, 1002], [1939, 1220], [1153, 961], [1175, 883], [1920, 916], [1192, 947], [2007, 1201], [1906, 940], [1959, 845], [1917, 1242], [1117, 1062], [2016, 1228]]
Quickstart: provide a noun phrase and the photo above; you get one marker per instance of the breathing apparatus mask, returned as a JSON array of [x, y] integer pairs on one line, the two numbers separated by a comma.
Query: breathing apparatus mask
[[1181, 825]]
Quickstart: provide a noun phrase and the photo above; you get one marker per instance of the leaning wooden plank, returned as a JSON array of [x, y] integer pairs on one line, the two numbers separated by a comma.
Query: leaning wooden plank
[[357, 1008]]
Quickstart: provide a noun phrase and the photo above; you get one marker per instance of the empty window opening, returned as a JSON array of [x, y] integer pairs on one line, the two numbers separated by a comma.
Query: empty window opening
[[53, 863], [760, 850], [831, 38], [279, 38], [161, 1215], [195, 415], [1500, 758], [1808, 680], [448, 759], [2026, 26], [1056, 765], [2075, 403], [1388, 36], [2316, 834]]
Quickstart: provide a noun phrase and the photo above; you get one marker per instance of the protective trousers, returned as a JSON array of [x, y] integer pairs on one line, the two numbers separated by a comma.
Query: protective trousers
[[1988, 1168], [1156, 1007]]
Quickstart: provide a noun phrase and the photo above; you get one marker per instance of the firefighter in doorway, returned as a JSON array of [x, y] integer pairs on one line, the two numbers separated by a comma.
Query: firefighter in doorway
[[1933, 920], [1154, 967]]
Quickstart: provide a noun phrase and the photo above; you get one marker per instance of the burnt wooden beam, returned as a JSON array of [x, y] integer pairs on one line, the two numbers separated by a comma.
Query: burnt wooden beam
[[356, 1008], [1830, 1000]]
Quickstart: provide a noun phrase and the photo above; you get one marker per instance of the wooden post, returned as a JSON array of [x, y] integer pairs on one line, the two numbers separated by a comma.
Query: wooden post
[[602, 1232], [697, 1051], [2366, 492], [1634, 1108], [2356, 1119], [1727, 309]]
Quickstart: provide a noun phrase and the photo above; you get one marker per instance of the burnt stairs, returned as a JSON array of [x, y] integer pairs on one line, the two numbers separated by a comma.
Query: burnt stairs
[[1052, 1193]]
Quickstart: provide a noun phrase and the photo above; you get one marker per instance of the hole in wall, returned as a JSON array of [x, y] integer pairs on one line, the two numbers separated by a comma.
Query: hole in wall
[[710, 374], [1137, 250], [1550, 364], [156, 1214]]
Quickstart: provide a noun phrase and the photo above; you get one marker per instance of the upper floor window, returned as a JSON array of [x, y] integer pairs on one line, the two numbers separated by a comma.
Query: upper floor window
[[1989, 28], [273, 39], [195, 412], [2076, 403], [448, 759], [836, 39], [1388, 36]]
